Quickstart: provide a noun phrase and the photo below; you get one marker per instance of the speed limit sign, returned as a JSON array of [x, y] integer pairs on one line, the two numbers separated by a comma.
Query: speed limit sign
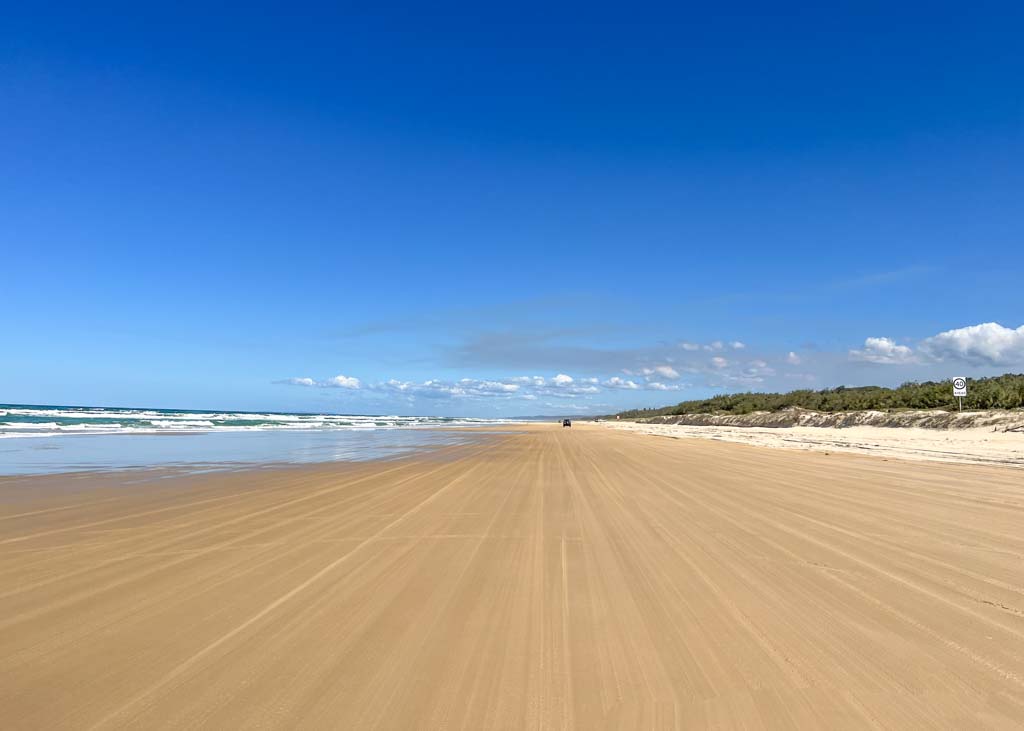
[[959, 387]]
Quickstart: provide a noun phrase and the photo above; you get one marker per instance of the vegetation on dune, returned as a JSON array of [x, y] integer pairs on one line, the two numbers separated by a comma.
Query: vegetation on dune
[[998, 392]]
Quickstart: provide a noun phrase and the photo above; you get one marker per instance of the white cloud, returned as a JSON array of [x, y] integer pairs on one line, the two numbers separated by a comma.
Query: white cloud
[[338, 381], [713, 345], [488, 386], [754, 372], [758, 369], [658, 386], [666, 371], [530, 380], [617, 382], [884, 350], [793, 359], [564, 386], [341, 381], [463, 388], [986, 344], [526, 387], [719, 362]]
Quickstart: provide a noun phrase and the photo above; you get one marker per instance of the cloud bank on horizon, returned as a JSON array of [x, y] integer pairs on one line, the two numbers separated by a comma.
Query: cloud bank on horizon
[[988, 344], [687, 366]]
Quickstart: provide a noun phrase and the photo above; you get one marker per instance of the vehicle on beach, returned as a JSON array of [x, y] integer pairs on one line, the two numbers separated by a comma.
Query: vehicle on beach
[[566, 422]]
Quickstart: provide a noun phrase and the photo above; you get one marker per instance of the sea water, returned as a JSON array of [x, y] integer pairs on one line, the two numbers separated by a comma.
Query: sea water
[[50, 439]]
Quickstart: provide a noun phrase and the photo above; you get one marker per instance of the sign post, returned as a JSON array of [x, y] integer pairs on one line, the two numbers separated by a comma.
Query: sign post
[[960, 389]]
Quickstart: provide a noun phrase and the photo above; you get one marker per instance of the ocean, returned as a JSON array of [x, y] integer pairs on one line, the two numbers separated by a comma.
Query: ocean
[[53, 439]]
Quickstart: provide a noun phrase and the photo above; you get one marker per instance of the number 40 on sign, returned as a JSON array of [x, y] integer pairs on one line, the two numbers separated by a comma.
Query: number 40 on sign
[[960, 389]]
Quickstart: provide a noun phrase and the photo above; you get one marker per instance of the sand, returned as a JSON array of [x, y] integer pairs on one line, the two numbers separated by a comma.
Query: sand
[[978, 445], [549, 578]]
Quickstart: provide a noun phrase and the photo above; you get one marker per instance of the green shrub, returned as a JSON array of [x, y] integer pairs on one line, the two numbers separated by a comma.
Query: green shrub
[[998, 392]]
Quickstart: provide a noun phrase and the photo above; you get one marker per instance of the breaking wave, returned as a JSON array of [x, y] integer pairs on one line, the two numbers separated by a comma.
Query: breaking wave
[[39, 421]]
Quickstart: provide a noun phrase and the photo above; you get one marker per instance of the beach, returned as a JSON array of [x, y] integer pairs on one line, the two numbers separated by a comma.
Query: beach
[[538, 577], [974, 445]]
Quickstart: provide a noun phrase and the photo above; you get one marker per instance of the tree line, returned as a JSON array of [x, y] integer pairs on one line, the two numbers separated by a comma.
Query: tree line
[[997, 392]]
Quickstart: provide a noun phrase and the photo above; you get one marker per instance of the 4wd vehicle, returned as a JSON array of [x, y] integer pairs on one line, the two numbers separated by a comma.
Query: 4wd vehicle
[[566, 422]]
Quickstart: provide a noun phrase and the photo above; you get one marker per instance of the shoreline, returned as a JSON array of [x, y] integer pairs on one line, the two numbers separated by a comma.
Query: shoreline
[[223, 451]]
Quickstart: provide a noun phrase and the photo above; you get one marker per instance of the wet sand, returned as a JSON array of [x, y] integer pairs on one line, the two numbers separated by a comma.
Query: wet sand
[[547, 578]]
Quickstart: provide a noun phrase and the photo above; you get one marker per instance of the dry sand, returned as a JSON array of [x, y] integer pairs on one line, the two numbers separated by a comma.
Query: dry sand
[[584, 578], [978, 445]]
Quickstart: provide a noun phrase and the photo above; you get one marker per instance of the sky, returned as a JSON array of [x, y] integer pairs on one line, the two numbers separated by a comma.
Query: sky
[[502, 210]]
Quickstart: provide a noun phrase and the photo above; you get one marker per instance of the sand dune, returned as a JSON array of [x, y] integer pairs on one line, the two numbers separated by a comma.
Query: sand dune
[[547, 578], [975, 445]]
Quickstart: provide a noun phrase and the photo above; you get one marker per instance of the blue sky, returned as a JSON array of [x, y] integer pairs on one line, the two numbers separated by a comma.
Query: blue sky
[[458, 209]]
